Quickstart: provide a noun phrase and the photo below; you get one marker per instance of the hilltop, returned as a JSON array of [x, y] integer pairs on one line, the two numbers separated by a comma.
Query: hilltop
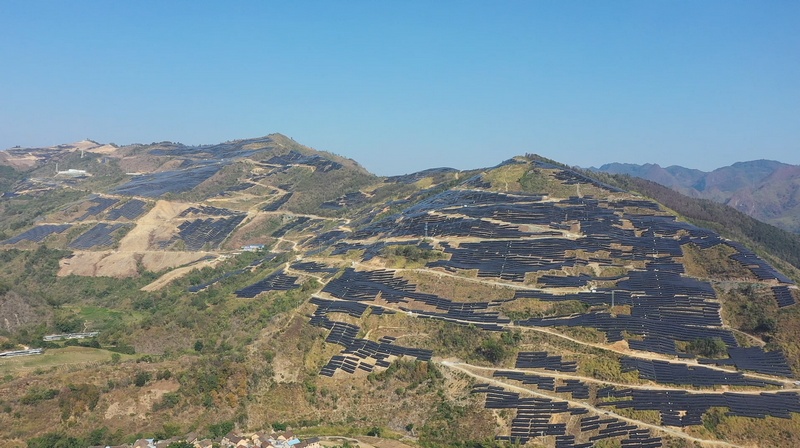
[[260, 283], [764, 189]]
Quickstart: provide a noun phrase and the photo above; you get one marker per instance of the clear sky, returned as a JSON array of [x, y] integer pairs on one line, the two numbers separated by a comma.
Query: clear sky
[[401, 86]]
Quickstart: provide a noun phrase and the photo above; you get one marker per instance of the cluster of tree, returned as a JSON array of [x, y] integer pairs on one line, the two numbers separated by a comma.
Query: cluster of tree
[[412, 253]]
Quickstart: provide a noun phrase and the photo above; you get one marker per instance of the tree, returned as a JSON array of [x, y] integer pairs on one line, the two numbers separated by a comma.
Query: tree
[[141, 378]]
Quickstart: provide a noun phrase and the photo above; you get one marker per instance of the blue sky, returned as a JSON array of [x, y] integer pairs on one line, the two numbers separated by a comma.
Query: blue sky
[[407, 85]]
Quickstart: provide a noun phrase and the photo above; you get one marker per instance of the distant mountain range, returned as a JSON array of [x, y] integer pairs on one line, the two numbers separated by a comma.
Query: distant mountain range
[[764, 189]]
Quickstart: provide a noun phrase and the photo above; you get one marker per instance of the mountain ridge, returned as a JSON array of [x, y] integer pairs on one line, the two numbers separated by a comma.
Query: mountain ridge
[[768, 190]]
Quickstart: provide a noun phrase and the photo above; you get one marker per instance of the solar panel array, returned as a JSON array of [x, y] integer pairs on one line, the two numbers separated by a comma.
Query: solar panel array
[[352, 199], [278, 281], [295, 224], [38, 233], [200, 234], [539, 417], [154, 185], [414, 177], [755, 359], [296, 158], [783, 295], [760, 268], [541, 360], [682, 408], [208, 210], [100, 204], [666, 372], [131, 210], [254, 263], [100, 235], [219, 151], [369, 285], [358, 353], [276, 204], [314, 267]]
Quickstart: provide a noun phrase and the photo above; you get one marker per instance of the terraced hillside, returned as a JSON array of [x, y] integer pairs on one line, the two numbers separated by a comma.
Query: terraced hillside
[[525, 303]]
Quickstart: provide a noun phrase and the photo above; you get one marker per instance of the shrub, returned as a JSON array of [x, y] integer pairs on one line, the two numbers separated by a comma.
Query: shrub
[[141, 378]]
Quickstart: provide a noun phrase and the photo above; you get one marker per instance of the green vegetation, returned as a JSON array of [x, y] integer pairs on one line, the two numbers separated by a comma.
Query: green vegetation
[[38, 393], [707, 348], [407, 256]]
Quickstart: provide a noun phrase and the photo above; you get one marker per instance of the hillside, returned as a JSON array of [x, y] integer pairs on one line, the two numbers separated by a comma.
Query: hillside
[[766, 190], [260, 283]]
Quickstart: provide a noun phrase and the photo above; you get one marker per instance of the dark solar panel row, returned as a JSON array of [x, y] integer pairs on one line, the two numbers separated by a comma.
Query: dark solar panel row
[[655, 332], [541, 382], [208, 210], [293, 157], [241, 187], [204, 233], [413, 177], [534, 418], [569, 177], [254, 263], [367, 285], [431, 225], [675, 373], [277, 281], [100, 204], [314, 267], [665, 283], [276, 204], [293, 225], [346, 200], [512, 259], [681, 408], [98, 236], [564, 281], [227, 150], [327, 238], [760, 268], [38, 233], [178, 181], [131, 210], [358, 350], [783, 295], [755, 359], [578, 389], [541, 360]]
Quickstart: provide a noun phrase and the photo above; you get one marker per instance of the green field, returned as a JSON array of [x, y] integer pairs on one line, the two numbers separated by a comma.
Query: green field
[[53, 358]]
